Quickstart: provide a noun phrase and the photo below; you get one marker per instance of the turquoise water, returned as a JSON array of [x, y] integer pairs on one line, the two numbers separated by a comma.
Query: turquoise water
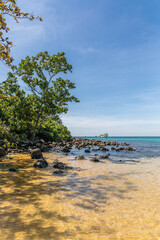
[[125, 139], [145, 146]]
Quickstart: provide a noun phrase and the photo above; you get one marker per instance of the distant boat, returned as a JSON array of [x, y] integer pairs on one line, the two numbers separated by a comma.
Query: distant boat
[[105, 135]]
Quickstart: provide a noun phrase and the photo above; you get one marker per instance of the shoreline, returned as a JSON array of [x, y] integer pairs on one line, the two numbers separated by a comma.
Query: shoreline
[[122, 199]]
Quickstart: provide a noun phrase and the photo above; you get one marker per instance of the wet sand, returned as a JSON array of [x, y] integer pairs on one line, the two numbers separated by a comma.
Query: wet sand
[[109, 200]]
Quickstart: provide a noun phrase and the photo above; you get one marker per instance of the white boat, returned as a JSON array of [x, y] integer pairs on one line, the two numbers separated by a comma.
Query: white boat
[[105, 135]]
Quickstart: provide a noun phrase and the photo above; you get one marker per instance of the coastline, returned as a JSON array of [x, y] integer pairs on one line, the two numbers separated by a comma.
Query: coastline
[[121, 196], [123, 200]]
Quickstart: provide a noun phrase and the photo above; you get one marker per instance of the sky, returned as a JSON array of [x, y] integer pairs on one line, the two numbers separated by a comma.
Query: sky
[[114, 48]]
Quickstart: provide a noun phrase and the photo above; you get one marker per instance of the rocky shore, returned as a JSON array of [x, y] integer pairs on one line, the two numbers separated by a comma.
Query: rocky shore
[[89, 146]]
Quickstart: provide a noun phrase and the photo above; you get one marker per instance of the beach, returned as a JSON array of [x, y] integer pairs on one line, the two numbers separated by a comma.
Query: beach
[[109, 199]]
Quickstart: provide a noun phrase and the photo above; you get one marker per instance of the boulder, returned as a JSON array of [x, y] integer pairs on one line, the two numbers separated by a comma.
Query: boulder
[[36, 153], [41, 163], [95, 159], [12, 170], [103, 149], [87, 151], [120, 149], [60, 165], [105, 156], [129, 149], [113, 148], [66, 150]]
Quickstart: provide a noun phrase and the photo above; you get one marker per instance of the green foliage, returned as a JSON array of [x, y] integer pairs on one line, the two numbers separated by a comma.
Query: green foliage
[[10, 8], [53, 131], [37, 112]]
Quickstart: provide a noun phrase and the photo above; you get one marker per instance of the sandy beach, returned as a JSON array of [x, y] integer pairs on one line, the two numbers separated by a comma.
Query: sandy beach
[[103, 200]]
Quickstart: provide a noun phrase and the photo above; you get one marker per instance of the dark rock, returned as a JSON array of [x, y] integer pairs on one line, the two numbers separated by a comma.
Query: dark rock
[[41, 164], [60, 165], [58, 172], [87, 151], [124, 144], [36, 153], [66, 149], [113, 148], [104, 149], [105, 156], [113, 143], [95, 160], [120, 149], [2, 152], [13, 170], [95, 149], [129, 149], [80, 157]]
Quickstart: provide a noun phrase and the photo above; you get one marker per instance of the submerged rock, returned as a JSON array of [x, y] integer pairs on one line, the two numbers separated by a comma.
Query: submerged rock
[[120, 149], [66, 150], [41, 164], [81, 157], [95, 159], [87, 151], [113, 148], [58, 172], [60, 165], [105, 156], [12, 170], [129, 149]]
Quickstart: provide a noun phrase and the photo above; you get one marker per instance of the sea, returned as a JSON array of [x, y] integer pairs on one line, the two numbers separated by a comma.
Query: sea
[[146, 147]]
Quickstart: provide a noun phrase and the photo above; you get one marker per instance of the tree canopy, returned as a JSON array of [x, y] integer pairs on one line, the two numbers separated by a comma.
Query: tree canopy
[[10, 8], [47, 97]]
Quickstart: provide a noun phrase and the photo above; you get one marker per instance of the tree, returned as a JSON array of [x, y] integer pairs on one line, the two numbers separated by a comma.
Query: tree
[[10, 8], [48, 97]]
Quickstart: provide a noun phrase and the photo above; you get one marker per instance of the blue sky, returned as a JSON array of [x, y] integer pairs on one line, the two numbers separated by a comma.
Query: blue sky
[[114, 47]]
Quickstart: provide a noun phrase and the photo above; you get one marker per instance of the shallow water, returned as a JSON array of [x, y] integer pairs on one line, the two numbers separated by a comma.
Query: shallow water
[[108, 200], [146, 146]]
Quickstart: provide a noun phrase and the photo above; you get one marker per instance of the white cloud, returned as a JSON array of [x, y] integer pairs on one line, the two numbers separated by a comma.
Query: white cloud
[[113, 125]]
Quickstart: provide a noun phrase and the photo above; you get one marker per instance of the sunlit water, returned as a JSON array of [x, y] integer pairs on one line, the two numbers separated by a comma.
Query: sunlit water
[[107, 200]]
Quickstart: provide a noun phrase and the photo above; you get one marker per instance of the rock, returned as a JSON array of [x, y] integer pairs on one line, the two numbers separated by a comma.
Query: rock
[[87, 151], [80, 157], [120, 149], [66, 149], [95, 149], [41, 164], [95, 160], [36, 153], [60, 165], [124, 144], [113, 148], [104, 149], [113, 143], [2, 152], [13, 170], [105, 156], [58, 172], [129, 149]]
